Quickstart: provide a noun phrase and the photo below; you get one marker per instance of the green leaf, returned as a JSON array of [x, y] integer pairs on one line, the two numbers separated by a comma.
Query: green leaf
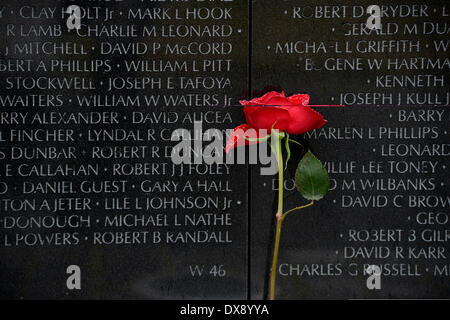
[[311, 178]]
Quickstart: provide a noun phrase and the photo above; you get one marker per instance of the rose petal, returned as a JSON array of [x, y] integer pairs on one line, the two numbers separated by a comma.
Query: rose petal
[[302, 99], [304, 119], [265, 99], [238, 135], [267, 117], [278, 101]]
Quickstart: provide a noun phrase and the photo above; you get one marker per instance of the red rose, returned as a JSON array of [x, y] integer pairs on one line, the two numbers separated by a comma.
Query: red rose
[[289, 114]]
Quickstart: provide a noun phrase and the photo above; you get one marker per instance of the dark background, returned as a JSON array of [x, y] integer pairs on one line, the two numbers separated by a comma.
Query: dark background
[[309, 237]]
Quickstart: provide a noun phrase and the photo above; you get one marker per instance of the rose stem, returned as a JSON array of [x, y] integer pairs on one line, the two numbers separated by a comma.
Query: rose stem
[[279, 216]]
